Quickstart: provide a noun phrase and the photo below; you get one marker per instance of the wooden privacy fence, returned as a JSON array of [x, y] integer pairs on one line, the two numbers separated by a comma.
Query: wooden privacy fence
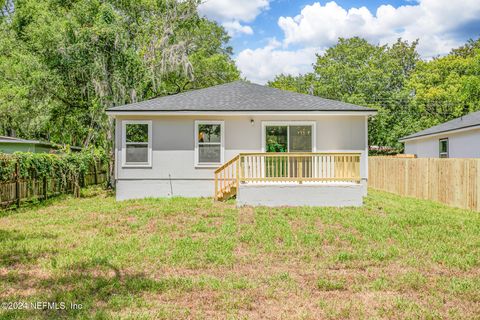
[[17, 190], [455, 182]]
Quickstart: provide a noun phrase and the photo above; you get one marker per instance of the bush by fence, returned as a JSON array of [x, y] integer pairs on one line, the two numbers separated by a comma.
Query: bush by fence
[[455, 182], [28, 176]]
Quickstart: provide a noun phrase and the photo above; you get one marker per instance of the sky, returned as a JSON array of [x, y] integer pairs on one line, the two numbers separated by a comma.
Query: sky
[[270, 37]]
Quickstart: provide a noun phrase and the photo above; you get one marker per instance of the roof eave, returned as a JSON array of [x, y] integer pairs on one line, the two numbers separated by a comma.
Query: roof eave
[[21, 142], [439, 133], [369, 112]]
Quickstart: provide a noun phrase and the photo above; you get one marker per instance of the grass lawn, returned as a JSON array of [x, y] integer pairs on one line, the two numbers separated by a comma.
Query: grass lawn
[[192, 258]]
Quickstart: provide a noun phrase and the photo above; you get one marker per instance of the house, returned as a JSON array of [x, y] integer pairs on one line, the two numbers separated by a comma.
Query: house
[[12, 144], [265, 146], [457, 138]]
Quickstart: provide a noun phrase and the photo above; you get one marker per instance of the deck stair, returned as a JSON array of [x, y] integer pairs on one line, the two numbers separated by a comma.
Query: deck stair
[[226, 179]]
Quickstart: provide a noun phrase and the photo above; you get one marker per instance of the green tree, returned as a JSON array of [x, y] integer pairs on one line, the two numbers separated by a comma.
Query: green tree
[[447, 87], [64, 62], [468, 49], [358, 72], [300, 83]]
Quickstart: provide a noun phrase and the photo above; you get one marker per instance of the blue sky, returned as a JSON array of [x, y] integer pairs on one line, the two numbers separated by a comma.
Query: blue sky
[[282, 36], [265, 25]]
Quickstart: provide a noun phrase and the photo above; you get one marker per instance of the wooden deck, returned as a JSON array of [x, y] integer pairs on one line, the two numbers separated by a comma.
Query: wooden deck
[[298, 168]]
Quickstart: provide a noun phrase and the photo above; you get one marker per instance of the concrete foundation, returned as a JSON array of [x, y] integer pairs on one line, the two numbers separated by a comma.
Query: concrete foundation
[[315, 195], [138, 189]]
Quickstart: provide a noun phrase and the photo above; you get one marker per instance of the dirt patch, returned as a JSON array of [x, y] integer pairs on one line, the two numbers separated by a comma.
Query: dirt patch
[[22, 283]]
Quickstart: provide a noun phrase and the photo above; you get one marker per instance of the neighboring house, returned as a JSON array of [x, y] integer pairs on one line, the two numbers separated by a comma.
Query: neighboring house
[[12, 144], [264, 145], [457, 138]]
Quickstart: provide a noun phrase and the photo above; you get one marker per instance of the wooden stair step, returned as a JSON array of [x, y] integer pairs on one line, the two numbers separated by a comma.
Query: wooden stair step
[[227, 193]]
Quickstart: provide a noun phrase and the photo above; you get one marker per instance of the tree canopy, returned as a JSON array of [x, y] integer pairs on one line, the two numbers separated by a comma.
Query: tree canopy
[[409, 93], [62, 63]]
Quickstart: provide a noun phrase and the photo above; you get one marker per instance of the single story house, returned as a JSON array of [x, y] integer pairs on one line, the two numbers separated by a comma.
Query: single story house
[[13, 144], [457, 138], [263, 145]]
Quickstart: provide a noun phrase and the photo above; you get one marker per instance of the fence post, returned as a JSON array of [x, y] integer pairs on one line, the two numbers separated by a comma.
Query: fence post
[[95, 178], [405, 187], [17, 183], [477, 183], [73, 183], [77, 182], [45, 188]]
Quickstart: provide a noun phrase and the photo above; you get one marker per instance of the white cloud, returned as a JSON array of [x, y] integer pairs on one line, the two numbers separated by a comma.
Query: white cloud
[[234, 27], [231, 13], [262, 64], [434, 22], [439, 24]]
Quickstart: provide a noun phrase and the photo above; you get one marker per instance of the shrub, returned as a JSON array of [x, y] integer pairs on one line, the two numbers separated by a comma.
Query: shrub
[[70, 165]]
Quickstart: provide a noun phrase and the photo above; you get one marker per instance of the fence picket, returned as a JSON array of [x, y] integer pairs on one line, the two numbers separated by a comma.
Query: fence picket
[[16, 190], [455, 182]]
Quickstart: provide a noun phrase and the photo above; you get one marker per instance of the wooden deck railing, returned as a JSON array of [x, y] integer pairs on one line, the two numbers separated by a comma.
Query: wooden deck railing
[[226, 178], [286, 167]]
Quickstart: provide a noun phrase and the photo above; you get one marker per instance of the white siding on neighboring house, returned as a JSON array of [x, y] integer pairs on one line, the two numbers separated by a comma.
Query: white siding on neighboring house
[[464, 144], [173, 171]]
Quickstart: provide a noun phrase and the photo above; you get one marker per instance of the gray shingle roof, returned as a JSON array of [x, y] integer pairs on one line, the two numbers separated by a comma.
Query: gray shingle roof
[[15, 140], [239, 96], [469, 120], [6, 139]]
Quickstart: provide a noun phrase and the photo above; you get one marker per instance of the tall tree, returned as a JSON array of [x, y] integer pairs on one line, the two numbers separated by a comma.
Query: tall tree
[[469, 49], [300, 83], [358, 72], [64, 62], [447, 87]]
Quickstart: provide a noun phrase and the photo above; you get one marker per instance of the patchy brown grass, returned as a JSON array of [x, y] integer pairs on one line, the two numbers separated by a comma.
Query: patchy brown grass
[[195, 259]]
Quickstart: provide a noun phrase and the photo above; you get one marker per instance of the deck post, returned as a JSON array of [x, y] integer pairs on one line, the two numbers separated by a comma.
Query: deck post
[[237, 168], [216, 187], [300, 170]]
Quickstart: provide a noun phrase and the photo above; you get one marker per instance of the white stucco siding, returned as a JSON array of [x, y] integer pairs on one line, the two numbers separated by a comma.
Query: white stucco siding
[[423, 148], [173, 148], [464, 144]]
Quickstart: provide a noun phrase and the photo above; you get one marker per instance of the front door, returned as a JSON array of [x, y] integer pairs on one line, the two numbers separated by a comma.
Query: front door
[[293, 138]]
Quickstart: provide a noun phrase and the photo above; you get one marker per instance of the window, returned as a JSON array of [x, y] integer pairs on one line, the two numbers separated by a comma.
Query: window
[[289, 137], [443, 146], [209, 144], [137, 143]]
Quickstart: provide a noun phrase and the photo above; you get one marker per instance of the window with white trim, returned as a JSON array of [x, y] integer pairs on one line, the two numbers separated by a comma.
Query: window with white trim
[[443, 148], [137, 143], [209, 143]]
